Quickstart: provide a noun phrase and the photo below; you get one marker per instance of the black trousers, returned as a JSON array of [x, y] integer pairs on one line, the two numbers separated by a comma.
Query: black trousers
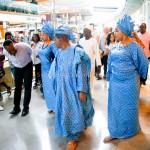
[[104, 62], [21, 74], [38, 73]]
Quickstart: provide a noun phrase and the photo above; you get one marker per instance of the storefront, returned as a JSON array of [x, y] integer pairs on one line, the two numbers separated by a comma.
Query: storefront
[[9, 19]]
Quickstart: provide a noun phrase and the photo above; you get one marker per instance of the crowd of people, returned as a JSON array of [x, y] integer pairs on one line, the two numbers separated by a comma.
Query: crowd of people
[[66, 68]]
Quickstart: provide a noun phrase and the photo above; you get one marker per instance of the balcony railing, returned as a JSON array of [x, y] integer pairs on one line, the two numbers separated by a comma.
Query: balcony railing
[[20, 7]]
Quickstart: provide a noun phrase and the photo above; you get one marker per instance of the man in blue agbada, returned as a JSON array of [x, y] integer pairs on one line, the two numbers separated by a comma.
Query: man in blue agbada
[[126, 63], [70, 73]]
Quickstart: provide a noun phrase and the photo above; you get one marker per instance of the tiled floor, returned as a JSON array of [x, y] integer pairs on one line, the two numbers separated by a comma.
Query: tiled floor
[[36, 130]]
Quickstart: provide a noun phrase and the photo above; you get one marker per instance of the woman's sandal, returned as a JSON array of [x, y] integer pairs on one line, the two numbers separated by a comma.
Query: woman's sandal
[[108, 139]]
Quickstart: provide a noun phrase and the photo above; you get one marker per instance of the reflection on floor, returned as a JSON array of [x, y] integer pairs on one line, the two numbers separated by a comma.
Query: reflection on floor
[[36, 131]]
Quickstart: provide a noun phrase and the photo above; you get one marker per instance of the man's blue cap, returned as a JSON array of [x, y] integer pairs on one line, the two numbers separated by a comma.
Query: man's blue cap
[[66, 30]]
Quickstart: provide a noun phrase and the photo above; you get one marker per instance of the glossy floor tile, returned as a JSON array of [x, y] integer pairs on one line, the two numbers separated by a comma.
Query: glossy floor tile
[[36, 131]]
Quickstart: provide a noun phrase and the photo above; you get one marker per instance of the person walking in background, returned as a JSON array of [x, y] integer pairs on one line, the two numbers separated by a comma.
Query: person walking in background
[[20, 56], [70, 73], [102, 48], [91, 48], [46, 54], [36, 61], [145, 38], [110, 42], [126, 62], [96, 35]]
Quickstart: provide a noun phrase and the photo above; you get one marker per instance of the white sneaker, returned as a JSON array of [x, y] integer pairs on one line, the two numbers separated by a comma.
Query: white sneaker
[[1, 108]]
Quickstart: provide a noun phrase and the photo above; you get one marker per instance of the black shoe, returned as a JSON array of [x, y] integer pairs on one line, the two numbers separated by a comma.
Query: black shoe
[[9, 90], [25, 112], [15, 111], [41, 89], [98, 77], [39, 83], [35, 86], [144, 83], [104, 77]]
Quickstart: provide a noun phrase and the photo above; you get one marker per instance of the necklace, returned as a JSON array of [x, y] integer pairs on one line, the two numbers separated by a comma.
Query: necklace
[[119, 46], [45, 46]]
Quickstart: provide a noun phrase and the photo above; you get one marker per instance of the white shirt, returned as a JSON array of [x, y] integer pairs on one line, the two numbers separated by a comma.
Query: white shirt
[[102, 42], [92, 50], [35, 53], [110, 46], [22, 57]]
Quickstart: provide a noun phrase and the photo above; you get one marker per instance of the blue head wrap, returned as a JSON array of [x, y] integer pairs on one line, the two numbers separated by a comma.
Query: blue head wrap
[[73, 37], [126, 25], [49, 30], [65, 30]]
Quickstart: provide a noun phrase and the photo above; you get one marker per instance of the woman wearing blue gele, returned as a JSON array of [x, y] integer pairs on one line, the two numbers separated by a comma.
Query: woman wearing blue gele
[[46, 55], [126, 63]]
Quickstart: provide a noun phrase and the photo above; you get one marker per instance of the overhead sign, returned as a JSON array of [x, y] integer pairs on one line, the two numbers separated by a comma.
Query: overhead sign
[[19, 18]]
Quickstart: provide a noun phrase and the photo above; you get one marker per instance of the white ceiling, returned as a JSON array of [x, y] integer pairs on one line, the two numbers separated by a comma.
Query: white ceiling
[[101, 6], [78, 5], [95, 9], [100, 10]]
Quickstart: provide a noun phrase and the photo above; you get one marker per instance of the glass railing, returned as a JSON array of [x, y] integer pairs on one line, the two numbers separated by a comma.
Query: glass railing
[[20, 7]]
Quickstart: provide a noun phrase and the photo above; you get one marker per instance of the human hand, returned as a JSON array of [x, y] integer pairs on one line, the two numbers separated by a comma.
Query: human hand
[[106, 52], [82, 96], [32, 44]]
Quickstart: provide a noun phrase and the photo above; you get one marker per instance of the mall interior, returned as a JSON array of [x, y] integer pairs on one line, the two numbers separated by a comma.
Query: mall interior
[[36, 130]]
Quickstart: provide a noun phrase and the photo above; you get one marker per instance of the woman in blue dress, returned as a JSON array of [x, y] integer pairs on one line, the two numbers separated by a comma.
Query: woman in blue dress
[[126, 63], [46, 55]]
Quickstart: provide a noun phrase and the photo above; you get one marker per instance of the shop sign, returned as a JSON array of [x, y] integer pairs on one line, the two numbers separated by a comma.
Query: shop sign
[[20, 18]]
